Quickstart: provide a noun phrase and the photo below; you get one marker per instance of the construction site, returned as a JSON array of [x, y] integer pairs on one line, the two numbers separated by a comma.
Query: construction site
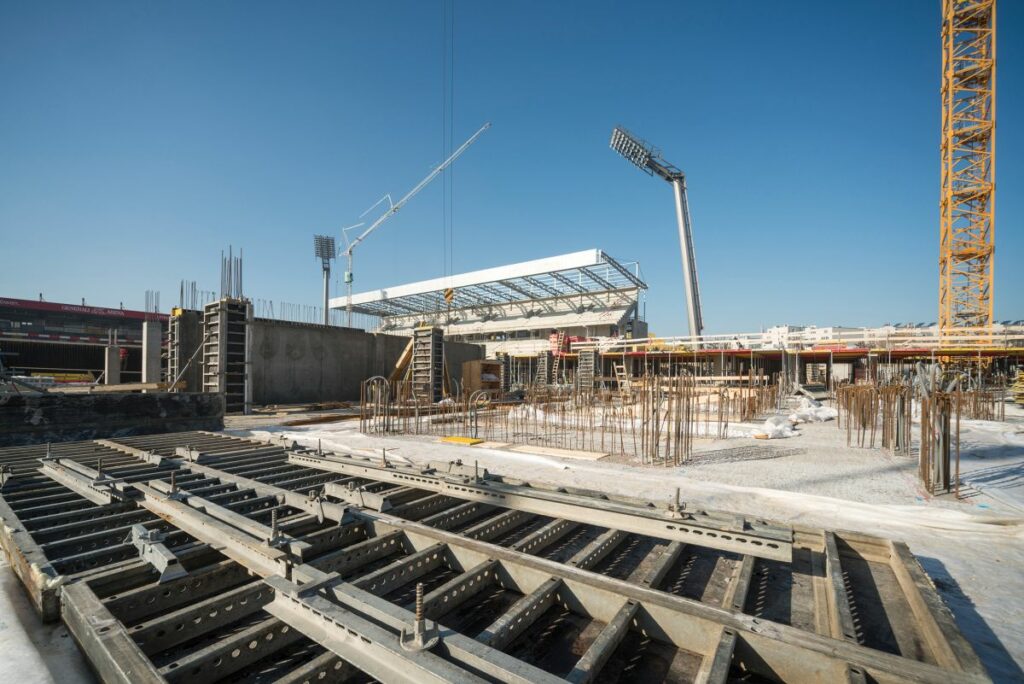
[[506, 474]]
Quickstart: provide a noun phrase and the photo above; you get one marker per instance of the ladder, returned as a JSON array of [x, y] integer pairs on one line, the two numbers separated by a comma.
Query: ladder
[[557, 355], [585, 369], [622, 377], [505, 377], [543, 376]]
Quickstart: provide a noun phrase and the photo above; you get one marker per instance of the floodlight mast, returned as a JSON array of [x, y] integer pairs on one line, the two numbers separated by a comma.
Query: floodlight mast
[[649, 160], [324, 248], [393, 209]]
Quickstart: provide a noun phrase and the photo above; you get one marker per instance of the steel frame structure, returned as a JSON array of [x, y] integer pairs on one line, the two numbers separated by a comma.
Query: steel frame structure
[[561, 277], [288, 579], [967, 202]]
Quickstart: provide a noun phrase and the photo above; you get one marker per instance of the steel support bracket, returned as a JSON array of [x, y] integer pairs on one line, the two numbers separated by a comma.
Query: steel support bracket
[[189, 454], [422, 636], [458, 470], [358, 496], [153, 551], [92, 484]]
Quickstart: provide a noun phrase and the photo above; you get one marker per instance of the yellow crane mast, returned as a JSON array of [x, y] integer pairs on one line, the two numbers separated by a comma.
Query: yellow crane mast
[[967, 228]]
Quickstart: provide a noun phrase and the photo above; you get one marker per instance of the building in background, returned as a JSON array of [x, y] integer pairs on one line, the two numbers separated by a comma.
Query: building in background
[[67, 340], [515, 309]]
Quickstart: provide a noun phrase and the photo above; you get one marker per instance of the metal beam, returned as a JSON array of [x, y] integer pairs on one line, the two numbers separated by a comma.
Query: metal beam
[[373, 649], [624, 271], [602, 648], [597, 279], [521, 615], [202, 617], [763, 541], [402, 571], [543, 287], [458, 590], [570, 284]]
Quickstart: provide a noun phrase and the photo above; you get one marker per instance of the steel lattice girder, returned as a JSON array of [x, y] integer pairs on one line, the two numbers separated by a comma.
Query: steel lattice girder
[[967, 219]]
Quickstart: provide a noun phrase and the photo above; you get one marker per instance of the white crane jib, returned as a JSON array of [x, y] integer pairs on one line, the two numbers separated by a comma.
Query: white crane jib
[[392, 210]]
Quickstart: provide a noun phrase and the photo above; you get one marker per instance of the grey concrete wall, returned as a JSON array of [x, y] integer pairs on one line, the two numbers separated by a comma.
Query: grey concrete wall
[[457, 353], [295, 363], [111, 365], [189, 326], [152, 338], [55, 417]]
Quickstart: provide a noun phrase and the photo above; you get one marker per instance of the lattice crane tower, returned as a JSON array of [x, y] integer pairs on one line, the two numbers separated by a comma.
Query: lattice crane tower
[[967, 237]]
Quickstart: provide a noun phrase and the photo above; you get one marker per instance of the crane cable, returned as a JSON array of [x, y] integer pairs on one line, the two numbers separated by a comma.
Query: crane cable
[[447, 133]]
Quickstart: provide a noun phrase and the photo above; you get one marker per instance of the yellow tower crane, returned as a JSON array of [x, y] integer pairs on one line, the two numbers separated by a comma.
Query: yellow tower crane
[[967, 204]]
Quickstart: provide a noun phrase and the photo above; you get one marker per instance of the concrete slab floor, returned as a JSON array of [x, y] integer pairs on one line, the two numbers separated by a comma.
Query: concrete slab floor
[[31, 652]]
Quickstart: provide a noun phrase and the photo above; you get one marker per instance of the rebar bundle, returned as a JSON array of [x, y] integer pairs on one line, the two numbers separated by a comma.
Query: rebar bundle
[[940, 438], [981, 404], [897, 417], [860, 404], [657, 426]]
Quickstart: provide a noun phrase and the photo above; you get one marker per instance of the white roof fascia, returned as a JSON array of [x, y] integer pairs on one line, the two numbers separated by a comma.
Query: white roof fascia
[[564, 262]]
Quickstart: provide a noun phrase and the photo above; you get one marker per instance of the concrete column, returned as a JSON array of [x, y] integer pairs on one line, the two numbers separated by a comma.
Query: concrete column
[[151, 339], [112, 366]]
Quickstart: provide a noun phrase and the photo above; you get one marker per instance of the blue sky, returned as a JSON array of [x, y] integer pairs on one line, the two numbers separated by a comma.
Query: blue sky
[[138, 139]]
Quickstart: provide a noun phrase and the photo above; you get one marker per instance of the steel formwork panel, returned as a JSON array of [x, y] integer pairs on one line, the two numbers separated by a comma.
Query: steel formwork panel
[[333, 599]]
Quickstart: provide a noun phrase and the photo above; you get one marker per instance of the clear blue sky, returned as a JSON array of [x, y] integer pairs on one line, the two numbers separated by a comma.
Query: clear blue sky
[[138, 139]]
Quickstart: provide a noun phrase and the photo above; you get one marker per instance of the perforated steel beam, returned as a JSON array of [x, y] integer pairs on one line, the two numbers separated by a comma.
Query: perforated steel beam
[[756, 539]]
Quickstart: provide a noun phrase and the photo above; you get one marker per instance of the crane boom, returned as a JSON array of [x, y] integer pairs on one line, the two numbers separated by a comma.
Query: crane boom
[[398, 205]]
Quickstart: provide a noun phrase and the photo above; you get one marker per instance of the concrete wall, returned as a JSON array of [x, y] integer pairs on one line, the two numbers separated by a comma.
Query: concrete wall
[[56, 417], [187, 335], [294, 363], [456, 353]]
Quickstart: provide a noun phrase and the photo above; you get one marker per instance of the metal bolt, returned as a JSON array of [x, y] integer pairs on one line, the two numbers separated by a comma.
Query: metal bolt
[[273, 523], [419, 602], [99, 467], [174, 482]]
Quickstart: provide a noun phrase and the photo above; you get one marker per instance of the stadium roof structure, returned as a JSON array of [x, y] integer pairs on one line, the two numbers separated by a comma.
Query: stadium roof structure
[[584, 273]]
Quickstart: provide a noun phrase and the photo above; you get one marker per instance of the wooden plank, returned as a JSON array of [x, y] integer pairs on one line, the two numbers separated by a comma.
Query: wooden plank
[[736, 593], [402, 364], [840, 614], [122, 387], [561, 453], [946, 642]]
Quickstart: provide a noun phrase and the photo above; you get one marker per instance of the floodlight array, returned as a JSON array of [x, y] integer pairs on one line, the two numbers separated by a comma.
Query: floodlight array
[[324, 247], [633, 149]]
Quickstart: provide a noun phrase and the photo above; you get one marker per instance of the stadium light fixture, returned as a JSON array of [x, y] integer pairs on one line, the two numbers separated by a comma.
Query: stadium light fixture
[[649, 160], [325, 250]]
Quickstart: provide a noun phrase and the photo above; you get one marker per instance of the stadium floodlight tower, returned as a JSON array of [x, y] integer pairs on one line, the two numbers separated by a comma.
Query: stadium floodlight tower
[[649, 160], [325, 250]]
